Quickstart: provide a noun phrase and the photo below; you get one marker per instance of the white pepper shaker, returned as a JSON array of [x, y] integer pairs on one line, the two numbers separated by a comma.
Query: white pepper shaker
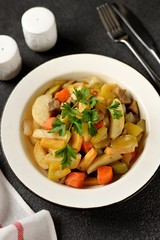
[[39, 29], [10, 59]]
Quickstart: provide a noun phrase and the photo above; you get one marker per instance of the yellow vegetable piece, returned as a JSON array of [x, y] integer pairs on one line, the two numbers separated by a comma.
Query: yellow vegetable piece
[[86, 136], [53, 89], [102, 161], [40, 153], [133, 129], [42, 133], [52, 158], [82, 107], [87, 159], [110, 150], [56, 172], [75, 161], [76, 141], [101, 135], [52, 143], [122, 144], [107, 93], [102, 144], [124, 141]]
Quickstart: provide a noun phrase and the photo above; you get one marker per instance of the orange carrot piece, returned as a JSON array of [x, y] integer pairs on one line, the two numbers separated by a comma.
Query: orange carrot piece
[[86, 146], [48, 123], [104, 174], [75, 179], [63, 95], [98, 125]]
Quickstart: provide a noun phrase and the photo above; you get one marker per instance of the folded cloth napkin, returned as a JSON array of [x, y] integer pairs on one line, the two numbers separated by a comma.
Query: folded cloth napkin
[[18, 221]]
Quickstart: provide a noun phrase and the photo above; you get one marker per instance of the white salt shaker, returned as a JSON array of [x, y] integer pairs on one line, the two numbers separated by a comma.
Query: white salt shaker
[[39, 29], [10, 59]]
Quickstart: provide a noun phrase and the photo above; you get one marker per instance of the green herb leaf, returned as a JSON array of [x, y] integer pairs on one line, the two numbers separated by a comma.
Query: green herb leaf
[[77, 124], [59, 127], [84, 96], [115, 113], [67, 110], [90, 117], [92, 129], [67, 153], [93, 101]]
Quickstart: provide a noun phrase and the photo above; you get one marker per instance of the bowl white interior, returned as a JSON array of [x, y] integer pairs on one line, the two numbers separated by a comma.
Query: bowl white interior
[[69, 67]]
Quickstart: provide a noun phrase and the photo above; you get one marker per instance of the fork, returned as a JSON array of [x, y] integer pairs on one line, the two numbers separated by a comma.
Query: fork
[[117, 33]]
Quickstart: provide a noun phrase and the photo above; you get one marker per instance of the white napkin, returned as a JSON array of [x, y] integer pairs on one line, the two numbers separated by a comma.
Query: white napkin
[[18, 221]]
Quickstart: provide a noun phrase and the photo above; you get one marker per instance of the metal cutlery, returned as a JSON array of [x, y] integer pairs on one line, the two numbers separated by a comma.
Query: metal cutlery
[[115, 31], [137, 28]]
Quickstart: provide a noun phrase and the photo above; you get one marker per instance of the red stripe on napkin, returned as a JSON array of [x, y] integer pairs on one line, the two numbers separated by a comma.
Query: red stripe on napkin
[[1, 226], [20, 230]]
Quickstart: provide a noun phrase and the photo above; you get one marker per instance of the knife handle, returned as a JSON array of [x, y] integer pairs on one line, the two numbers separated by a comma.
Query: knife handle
[[154, 54], [151, 72]]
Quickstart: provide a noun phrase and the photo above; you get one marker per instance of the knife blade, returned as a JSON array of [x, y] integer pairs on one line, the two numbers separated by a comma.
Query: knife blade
[[136, 27]]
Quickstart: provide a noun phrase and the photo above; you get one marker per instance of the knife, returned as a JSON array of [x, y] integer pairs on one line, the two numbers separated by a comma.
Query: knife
[[137, 28]]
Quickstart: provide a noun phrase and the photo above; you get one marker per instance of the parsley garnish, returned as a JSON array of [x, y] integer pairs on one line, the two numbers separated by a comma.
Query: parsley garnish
[[77, 124], [69, 111], [67, 153], [75, 121], [59, 127], [115, 113], [90, 117], [84, 96], [75, 118]]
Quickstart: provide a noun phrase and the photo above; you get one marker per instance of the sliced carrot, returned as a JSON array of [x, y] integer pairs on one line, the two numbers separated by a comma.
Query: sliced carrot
[[86, 146], [75, 179], [99, 124], [63, 95], [104, 174], [48, 123]]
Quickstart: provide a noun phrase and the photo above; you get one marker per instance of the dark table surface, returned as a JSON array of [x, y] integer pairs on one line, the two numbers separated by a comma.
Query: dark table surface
[[80, 31]]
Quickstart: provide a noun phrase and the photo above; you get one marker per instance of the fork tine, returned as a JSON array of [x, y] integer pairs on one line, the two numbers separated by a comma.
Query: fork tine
[[116, 32], [113, 17], [108, 18], [102, 15]]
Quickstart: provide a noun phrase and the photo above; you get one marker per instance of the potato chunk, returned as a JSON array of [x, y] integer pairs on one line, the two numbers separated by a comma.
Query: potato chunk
[[52, 143], [87, 159], [40, 110], [76, 141], [102, 160], [116, 125], [40, 153], [56, 172]]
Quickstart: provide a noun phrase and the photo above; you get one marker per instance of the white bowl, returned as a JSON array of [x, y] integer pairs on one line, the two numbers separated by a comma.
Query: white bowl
[[22, 162]]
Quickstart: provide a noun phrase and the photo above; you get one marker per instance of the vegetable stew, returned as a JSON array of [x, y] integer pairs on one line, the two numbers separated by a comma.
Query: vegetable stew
[[85, 132]]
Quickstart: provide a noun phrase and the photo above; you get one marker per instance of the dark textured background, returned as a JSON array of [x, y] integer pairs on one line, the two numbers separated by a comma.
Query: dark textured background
[[80, 31]]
